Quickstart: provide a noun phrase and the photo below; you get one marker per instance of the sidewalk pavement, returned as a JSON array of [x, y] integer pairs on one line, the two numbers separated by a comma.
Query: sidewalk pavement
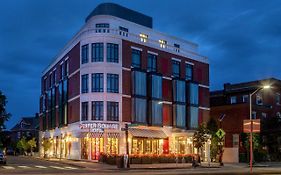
[[103, 166]]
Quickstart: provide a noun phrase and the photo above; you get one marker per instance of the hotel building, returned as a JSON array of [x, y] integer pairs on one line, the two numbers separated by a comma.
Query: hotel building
[[117, 70]]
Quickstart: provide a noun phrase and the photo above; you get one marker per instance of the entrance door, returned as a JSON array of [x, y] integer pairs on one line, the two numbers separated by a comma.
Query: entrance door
[[97, 147]]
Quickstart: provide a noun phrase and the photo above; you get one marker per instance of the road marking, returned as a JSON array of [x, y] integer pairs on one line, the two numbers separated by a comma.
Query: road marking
[[56, 167], [72, 168], [8, 167], [38, 166], [23, 166]]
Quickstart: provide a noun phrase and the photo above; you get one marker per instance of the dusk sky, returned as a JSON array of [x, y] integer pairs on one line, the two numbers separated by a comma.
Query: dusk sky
[[240, 38]]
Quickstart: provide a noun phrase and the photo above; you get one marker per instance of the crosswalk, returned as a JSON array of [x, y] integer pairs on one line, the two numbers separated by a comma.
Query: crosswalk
[[37, 167]]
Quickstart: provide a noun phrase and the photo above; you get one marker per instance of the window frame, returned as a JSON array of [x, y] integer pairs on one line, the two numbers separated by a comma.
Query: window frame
[[97, 77], [112, 53], [85, 54], [113, 86]]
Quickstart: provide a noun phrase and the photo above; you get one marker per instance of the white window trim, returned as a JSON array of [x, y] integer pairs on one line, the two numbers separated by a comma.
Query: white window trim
[[176, 59], [153, 53], [187, 62], [136, 48]]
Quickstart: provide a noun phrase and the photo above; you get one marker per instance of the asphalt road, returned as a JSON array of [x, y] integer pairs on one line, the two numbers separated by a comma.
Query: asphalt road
[[27, 165]]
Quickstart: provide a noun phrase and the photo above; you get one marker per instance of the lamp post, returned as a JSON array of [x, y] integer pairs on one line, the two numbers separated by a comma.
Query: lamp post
[[251, 130]]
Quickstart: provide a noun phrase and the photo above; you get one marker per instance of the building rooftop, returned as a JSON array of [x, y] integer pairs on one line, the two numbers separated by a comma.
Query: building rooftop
[[246, 86], [121, 12]]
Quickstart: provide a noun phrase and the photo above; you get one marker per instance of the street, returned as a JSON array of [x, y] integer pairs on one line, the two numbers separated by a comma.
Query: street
[[28, 165]]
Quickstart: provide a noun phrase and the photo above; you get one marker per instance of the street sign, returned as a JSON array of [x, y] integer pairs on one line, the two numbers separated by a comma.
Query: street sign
[[220, 133], [256, 125]]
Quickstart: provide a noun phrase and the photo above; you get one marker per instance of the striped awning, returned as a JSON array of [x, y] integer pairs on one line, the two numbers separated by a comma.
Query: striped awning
[[147, 133]]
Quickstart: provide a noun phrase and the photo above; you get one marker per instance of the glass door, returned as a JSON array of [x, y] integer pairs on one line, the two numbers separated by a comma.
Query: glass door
[[97, 147]]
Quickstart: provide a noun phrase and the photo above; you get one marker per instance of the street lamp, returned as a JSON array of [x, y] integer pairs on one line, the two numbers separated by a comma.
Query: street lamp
[[251, 130]]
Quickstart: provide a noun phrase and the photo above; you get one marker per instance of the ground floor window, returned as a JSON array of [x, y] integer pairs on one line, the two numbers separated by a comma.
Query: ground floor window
[[112, 146], [147, 146], [96, 147], [183, 145]]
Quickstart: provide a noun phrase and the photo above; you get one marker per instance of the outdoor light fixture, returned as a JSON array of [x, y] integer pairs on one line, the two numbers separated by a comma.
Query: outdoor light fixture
[[251, 130]]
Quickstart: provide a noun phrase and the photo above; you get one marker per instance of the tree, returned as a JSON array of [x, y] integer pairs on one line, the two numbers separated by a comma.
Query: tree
[[32, 144], [212, 126], [4, 115], [46, 144], [200, 137], [22, 145]]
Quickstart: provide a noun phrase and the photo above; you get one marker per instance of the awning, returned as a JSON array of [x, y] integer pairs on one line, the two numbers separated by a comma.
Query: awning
[[136, 132]]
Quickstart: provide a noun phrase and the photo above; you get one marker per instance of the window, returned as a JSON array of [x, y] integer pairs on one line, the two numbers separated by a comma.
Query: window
[[54, 79], [112, 111], [84, 55], [151, 62], [123, 31], [233, 100], [156, 112], [84, 111], [254, 115], [102, 28], [156, 86], [97, 52], [112, 53], [179, 91], [235, 140], [139, 110], [163, 43], [176, 68], [188, 72], [136, 58], [259, 99], [245, 98], [278, 99], [62, 71], [179, 115], [113, 83], [143, 37], [84, 83], [264, 115], [193, 94], [139, 83], [177, 47], [193, 117], [97, 110], [66, 68], [97, 82]]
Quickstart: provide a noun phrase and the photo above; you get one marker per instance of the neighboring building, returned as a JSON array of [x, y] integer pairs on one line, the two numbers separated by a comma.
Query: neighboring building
[[27, 127], [117, 70], [233, 101]]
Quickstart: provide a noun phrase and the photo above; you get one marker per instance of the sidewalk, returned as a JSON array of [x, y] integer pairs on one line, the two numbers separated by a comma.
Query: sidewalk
[[103, 166]]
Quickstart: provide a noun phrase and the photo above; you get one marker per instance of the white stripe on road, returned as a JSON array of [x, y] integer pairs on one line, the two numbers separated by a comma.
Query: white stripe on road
[[72, 168], [8, 167], [56, 167], [38, 166], [23, 166]]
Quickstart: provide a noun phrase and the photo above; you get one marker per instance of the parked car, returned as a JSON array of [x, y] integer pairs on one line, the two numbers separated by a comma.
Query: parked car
[[3, 159]]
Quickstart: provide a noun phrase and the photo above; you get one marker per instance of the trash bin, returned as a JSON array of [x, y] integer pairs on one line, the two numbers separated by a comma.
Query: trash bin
[[120, 161]]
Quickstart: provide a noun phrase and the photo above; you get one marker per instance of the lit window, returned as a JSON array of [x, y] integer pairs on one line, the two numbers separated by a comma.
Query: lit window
[[259, 99], [163, 43], [143, 37], [245, 98], [233, 100], [177, 47]]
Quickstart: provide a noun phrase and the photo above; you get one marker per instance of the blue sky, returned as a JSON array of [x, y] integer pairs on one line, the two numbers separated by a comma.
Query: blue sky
[[240, 38]]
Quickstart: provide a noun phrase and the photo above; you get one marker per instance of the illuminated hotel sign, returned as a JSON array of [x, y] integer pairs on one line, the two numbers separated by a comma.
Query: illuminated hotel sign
[[99, 126]]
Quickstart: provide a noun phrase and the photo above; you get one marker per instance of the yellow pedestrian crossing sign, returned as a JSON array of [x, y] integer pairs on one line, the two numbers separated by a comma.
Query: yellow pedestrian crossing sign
[[220, 133]]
